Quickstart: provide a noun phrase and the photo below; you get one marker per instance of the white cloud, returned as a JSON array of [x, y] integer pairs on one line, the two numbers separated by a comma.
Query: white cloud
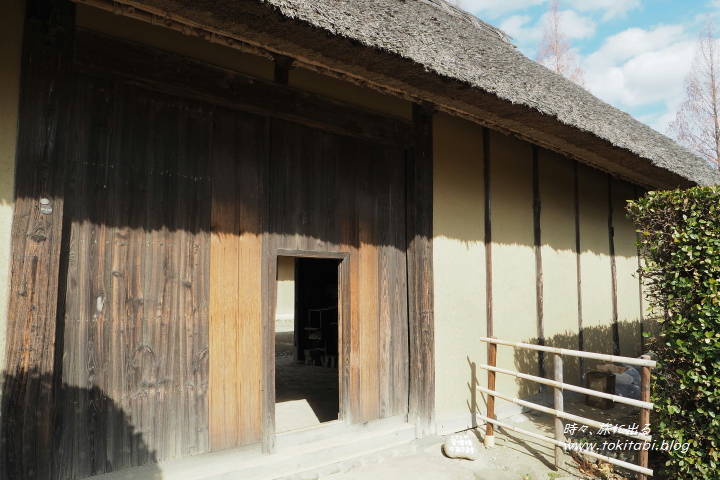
[[642, 67], [659, 120], [524, 32], [520, 28], [608, 8], [575, 25], [636, 41], [497, 8]]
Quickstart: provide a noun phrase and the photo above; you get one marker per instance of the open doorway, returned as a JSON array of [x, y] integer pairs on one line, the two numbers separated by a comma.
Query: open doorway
[[307, 353]]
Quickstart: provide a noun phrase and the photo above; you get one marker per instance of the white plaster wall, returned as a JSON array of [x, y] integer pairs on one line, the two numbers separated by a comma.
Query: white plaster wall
[[459, 263], [286, 289], [11, 32], [628, 287], [513, 259], [559, 259], [595, 261]]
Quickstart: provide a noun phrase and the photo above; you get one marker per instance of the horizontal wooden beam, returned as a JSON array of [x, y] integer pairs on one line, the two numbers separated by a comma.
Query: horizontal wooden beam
[[568, 386], [282, 252], [564, 415], [135, 64], [574, 353]]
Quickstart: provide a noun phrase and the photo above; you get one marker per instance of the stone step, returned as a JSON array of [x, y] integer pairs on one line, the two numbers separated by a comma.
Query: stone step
[[320, 448]]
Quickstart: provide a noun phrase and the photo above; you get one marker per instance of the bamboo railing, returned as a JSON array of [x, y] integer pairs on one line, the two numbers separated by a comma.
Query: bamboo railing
[[557, 383]]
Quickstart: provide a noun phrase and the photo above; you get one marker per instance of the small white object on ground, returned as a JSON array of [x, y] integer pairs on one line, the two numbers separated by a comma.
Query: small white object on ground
[[460, 445]]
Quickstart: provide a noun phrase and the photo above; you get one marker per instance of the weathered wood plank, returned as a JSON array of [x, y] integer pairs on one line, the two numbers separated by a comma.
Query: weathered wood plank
[[344, 329], [421, 408], [398, 286], [613, 269], [131, 122], [385, 302], [125, 61], [578, 269], [134, 336], [30, 392], [368, 290], [539, 289], [269, 292], [349, 172], [224, 286], [488, 233], [193, 286], [253, 150], [89, 139]]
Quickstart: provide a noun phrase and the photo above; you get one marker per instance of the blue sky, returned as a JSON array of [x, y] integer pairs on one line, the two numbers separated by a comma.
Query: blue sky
[[635, 53]]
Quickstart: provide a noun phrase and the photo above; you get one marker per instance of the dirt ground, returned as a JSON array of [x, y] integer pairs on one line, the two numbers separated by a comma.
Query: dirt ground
[[514, 457], [306, 395]]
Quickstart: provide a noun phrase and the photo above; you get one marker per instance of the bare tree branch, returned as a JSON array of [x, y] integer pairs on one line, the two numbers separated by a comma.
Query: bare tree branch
[[697, 121], [555, 51]]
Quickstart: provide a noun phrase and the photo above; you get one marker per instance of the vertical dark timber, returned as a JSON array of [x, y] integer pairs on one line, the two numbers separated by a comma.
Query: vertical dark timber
[[269, 297], [581, 341], [421, 404], [488, 234], [283, 65], [31, 379], [538, 264], [636, 196], [613, 269]]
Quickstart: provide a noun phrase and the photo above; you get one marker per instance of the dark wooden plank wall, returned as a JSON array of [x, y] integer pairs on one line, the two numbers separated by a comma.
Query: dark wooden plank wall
[[167, 239], [165, 200], [339, 194], [137, 296], [420, 275], [31, 387]]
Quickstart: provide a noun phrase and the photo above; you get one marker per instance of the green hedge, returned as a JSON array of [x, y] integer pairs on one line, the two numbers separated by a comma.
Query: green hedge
[[679, 240]]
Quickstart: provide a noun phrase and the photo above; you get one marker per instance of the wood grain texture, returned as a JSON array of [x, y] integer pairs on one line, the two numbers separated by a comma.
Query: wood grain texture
[[165, 289], [488, 233], [578, 263], [368, 290], [539, 290], [613, 269], [335, 195], [31, 389], [136, 321], [420, 277], [236, 284]]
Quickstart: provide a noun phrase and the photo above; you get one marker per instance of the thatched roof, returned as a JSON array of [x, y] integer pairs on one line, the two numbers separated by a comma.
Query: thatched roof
[[436, 52]]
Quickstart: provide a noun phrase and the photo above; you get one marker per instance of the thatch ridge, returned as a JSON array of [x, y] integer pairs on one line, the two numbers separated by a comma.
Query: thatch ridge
[[468, 52]]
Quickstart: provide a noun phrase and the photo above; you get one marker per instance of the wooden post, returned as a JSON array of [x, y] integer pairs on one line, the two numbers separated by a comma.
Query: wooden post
[[644, 412], [30, 423], [559, 429], [419, 204], [489, 428]]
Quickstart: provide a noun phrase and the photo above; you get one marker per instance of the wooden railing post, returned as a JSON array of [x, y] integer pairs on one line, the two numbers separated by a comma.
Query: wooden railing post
[[489, 429], [559, 406], [644, 412]]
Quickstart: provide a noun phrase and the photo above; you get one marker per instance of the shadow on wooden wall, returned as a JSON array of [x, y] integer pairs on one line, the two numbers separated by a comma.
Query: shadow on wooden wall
[[86, 433]]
